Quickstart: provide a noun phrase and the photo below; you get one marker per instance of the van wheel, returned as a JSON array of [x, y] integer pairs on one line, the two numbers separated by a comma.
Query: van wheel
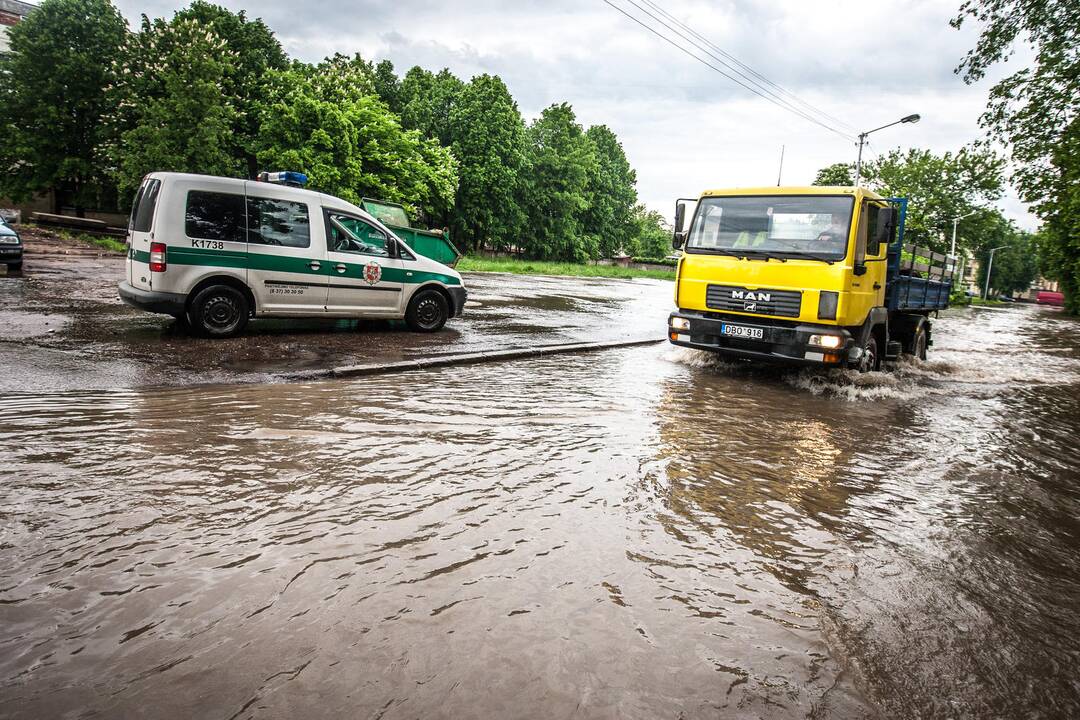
[[218, 311], [871, 356], [427, 311], [14, 267]]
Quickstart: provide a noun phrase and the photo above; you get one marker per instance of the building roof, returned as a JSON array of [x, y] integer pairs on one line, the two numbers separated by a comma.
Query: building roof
[[15, 7]]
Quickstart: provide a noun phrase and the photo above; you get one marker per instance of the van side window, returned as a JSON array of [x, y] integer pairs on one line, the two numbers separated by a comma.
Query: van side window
[[142, 214], [214, 216], [278, 222], [349, 234]]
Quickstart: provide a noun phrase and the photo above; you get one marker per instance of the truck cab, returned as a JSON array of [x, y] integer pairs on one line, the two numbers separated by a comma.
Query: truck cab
[[802, 275]]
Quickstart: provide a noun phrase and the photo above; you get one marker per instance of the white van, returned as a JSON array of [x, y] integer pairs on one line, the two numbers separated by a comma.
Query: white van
[[217, 251]]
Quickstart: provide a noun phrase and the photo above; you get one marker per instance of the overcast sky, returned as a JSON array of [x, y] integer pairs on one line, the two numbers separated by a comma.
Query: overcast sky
[[684, 127]]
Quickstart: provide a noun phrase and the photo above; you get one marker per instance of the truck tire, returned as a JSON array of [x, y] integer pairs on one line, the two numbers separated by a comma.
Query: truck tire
[[218, 311], [427, 311], [919, 342], [871, 357]]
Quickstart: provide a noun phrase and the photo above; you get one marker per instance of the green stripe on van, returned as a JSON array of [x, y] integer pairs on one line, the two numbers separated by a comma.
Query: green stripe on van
[[286, 263]]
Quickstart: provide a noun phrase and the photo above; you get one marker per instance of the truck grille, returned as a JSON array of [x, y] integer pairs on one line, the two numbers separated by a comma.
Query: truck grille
[[785, 303]]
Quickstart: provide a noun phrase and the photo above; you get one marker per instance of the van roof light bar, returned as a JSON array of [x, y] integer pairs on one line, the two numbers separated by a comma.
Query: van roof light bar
[[290, 178]]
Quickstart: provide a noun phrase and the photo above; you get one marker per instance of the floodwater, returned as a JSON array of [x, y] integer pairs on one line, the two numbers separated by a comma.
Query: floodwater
[[644, 533]]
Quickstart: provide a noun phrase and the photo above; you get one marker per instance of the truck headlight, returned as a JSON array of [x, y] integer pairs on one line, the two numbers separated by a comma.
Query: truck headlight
[[826, 306], [679, 323], [825, 341]]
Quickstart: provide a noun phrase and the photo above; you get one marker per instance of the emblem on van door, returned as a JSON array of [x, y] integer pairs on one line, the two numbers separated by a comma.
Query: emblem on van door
[[372, 272], [751, 295]]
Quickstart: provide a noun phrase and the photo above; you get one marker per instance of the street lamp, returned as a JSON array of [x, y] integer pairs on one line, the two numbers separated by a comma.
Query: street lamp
[[955, 222], [989, 268], [862, 139]]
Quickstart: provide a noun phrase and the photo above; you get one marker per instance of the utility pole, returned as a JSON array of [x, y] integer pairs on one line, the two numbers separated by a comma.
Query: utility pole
[[781, 171]]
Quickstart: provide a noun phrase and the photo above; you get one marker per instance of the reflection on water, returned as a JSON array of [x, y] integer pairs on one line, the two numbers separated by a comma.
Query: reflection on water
[[628, 534]]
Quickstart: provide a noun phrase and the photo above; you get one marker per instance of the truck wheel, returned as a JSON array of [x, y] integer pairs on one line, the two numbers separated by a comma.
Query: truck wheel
[[219, 311], [427, 311], [871, 357], [919, 342]]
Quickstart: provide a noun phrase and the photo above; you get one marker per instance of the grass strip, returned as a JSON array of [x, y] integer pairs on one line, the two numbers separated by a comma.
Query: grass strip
[[547, 267]]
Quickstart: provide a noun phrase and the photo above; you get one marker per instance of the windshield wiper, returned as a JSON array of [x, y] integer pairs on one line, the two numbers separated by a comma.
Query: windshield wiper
[[822, 258], [767, 255]]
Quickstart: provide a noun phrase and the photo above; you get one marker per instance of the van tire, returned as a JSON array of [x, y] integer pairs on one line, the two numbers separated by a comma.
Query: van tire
[[218, 311], [427, 312], [14, 267]]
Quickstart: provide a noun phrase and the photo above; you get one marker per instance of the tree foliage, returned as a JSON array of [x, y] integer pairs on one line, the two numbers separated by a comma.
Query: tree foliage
[[490, 142], [1016, 263], [1036, 112], [53, 96], [842, 174], [318, 120], [939, 187], [611, 194], [427, 100], [187, 91], [562, 160]]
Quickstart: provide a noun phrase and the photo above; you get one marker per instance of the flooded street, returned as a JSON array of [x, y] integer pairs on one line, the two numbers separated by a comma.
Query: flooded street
[[643, 533]]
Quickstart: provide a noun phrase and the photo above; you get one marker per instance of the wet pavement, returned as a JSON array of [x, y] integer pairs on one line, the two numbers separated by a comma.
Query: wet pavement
[[63, 326], [638, 533]]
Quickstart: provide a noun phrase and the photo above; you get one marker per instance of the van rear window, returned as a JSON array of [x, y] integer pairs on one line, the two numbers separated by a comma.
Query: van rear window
[[278, 222], [214, 216], [142, 212]]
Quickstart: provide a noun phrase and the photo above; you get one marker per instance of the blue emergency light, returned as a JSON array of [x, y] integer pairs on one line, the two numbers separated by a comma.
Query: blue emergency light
[[292, 179]]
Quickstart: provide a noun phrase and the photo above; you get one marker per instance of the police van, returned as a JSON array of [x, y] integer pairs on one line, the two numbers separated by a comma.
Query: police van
[[214, 252]]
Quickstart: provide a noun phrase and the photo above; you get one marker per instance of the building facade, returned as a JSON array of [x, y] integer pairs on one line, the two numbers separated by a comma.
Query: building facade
[[12, 13]]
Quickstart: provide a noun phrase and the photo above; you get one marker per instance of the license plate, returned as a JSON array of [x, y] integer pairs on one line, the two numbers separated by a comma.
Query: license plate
[[741, 331]]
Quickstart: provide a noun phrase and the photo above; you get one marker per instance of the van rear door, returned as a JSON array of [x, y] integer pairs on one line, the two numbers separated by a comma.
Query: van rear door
[[141, 233]]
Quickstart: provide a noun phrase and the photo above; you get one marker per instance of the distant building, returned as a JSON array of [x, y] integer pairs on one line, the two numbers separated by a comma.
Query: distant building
[[12, 12]]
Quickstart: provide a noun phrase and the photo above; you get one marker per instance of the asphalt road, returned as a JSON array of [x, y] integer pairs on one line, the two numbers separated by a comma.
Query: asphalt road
[[62, 326]]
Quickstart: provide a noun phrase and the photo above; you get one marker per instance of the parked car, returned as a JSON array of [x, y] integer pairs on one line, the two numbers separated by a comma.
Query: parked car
[[1046, 297], [11, 247]]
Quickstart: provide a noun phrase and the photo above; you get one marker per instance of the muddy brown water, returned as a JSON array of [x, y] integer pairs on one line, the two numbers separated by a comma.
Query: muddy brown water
[[643, 533]]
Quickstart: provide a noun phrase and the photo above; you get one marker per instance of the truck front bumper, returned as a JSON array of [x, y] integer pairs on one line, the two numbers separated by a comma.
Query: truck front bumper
[[156, 302], [784, 344]]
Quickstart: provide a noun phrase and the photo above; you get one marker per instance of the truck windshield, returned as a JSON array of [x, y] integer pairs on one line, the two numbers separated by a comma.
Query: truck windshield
[[781, 226]]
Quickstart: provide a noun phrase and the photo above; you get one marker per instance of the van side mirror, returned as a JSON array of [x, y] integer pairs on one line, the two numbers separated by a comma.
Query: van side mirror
[[886, 228]]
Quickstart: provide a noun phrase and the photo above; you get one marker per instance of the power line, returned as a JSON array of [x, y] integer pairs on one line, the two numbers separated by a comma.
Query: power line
[[749, 69], [763, 93]]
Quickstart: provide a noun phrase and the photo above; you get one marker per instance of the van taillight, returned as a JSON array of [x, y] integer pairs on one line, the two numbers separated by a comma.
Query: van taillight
[[157, 257]]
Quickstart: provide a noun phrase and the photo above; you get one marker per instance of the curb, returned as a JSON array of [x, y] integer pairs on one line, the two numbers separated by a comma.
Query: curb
[[476, 358]]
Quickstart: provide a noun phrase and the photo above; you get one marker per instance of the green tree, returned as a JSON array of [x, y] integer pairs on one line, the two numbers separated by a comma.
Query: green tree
[[836, 174], [349, 143], [1036, 112], [1016, 264], [652, 236], [611, 194], [427, 100], [387, 86], [205, 62], [562, 158], [939, 187], [52, 99], [491, 144]]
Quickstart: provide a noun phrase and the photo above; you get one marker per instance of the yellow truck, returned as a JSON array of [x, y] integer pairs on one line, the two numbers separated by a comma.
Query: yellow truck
[[804, 275]]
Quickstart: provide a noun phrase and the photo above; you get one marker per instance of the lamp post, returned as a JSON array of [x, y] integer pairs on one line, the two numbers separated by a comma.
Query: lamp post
[[955, 222], [989, 268], [862, 140]]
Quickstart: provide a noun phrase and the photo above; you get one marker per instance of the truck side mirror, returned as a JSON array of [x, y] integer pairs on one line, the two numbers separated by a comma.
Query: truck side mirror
[[886, 228], [678, 238]]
